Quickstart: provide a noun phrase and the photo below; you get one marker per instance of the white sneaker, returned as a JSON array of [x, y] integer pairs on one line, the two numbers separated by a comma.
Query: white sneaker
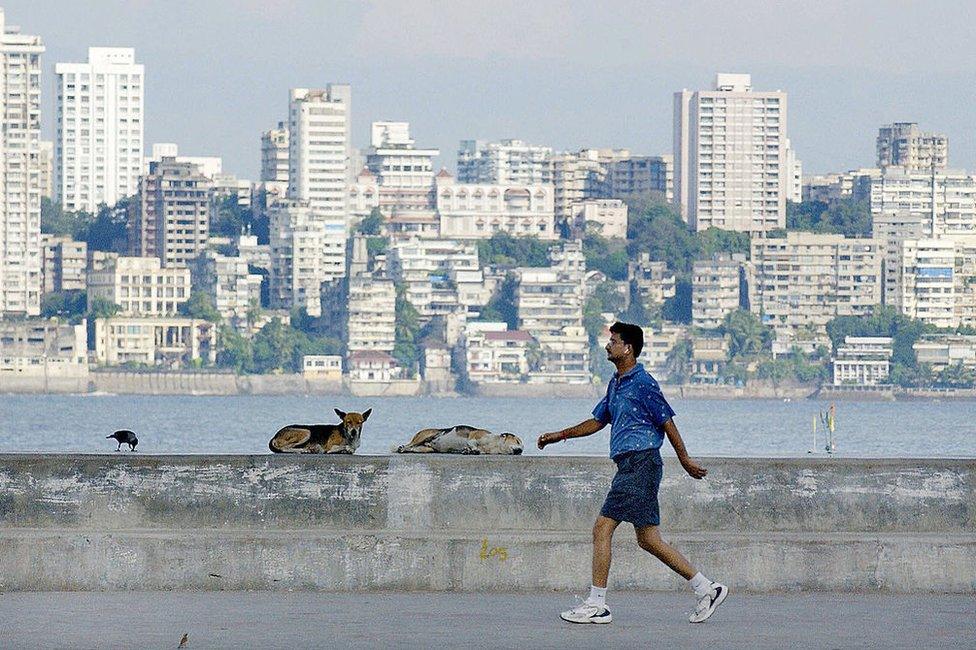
[[587, 612], [708, 603]]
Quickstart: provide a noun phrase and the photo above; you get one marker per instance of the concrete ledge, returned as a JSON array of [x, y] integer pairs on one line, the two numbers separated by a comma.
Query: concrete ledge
[[102, 522]]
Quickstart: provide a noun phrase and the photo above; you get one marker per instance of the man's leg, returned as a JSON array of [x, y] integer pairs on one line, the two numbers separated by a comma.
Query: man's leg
[[602, 539], [710, 594], [649, 539]]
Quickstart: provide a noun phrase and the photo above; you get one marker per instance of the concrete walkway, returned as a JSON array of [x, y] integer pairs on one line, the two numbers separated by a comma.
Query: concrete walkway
[[448, 620]]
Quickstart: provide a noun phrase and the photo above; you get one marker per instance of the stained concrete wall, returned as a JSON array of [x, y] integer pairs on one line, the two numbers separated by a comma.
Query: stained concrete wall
[[128, 521]]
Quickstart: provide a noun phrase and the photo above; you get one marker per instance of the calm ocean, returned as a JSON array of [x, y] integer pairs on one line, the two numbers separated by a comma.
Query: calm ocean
[[244, 424]]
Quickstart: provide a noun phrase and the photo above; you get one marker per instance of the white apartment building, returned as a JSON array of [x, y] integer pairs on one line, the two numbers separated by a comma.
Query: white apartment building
[[854, 183], [228, 283], [307, 249], [658, 343], [319, 148], [505, 162], [100, 125], [862, 361], [730, 164], [427, 268], [372, 313], [373, 366], [794, 179], [64, 265], [927, 287], [20, 169], [479, 211], [395, 161], [902, 144], [140, 286], [324, 367], [804, 280], [274, 155], [168, 342], [964, 277], [605, 217], [495, 354], [918, 205], [641, 175], [715, 290]]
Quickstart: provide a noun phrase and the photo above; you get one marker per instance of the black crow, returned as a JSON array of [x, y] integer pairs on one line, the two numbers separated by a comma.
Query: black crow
[[127, 437]]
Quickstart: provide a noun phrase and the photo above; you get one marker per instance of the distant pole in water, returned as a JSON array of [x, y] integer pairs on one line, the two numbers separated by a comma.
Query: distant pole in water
[[831, 424]]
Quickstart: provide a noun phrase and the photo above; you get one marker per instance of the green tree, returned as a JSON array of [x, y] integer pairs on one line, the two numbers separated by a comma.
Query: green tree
[[845, 216], [272, 348], [200, 305], [504, 250], [372, 224], [67, 305], [678, 308], [235, 351], [748, 337], [606, 255], [502, 305], [407, 326], [678, 362], [715, 240]]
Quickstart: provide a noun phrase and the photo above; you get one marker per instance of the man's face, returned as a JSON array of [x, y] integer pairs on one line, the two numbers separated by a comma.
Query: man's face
[[616, 348]]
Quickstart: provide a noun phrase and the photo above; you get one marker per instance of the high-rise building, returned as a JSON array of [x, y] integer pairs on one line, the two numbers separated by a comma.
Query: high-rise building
[[319, 148], [582, 175], [902, 144], [20, 169], [47, 168], [395, 161], [170, 218], [503, 162], [100, 120], [274, 155], [730, 163], [715, 290]]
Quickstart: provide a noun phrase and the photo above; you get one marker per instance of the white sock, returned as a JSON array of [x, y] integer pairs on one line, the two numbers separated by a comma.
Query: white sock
[[700, 584], [598, 595]]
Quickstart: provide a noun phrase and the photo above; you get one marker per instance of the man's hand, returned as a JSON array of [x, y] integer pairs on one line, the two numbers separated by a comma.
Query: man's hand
[[694, 470], [548, 439]]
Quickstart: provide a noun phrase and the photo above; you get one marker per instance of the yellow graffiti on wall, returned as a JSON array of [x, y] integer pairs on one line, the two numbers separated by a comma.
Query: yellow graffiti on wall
[[495, 551]]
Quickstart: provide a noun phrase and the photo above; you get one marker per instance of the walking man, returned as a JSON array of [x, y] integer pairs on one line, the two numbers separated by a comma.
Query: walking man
[[640, 418]]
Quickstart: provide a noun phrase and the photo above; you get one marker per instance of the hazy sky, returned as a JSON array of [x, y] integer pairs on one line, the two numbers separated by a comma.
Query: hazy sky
[[565, 74]]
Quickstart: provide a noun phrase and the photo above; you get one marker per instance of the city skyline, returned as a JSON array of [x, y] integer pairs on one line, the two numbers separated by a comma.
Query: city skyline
[[504, 71]]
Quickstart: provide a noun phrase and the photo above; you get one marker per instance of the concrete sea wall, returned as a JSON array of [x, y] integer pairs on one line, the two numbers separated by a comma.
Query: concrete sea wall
[[128, 521]]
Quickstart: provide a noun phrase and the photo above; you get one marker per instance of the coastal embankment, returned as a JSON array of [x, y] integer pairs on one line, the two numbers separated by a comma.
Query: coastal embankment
[[450, 523]]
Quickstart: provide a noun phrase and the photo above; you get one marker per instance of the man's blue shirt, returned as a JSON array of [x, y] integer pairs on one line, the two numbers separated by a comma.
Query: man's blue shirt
[[635, 407]]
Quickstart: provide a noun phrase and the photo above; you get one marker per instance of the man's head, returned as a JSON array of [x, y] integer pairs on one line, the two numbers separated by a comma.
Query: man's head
[[625, 340]]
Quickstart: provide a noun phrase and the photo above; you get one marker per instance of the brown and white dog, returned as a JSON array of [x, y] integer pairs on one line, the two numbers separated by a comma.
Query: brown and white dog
[[462, 439], [342, 438]]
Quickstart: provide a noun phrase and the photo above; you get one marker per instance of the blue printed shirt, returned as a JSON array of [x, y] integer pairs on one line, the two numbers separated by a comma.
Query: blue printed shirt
[[635, 408]]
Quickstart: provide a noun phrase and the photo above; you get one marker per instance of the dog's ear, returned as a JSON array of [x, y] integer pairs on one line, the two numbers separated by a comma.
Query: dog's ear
[[340, 413], [366, 414]]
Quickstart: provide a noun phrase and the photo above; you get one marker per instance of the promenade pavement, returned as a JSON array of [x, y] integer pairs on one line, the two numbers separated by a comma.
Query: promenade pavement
[[450, 620]]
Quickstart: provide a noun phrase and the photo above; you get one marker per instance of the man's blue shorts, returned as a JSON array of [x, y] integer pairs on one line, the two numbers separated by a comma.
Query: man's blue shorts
[[633, 493]]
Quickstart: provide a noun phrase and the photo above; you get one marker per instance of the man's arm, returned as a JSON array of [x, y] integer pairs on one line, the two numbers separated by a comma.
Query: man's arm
[[694, 469], [586, 428]]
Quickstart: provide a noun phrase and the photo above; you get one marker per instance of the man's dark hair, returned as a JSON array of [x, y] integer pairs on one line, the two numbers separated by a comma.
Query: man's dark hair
[[630, 334]]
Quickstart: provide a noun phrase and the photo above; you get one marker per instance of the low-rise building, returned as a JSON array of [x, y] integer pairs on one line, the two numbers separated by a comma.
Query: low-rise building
[[658, 343], [373, 366], [325, 367], [160, 341], [43, 348], [862, 361], [604, 217], [469, 211], [655, 283], [140, 286], [64, 264], [708, 358], [226, 280], [494, 354], [941, 352]]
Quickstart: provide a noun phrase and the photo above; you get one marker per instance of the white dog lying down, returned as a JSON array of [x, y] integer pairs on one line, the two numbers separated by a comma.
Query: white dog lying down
[[462, 439]]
